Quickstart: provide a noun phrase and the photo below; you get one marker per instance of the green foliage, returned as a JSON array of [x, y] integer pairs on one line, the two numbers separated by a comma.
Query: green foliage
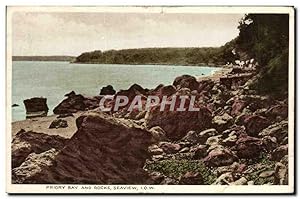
[[266, 38], [172, 56], [274, 78], [176, 168]]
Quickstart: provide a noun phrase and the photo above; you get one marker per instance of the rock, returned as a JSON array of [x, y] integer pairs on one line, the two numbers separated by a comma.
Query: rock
[[157, 157], [199, 151], [65, 115], [241, 181], [254, 124], [25, 143], [235, 81], [284, 141], [36, 107], [266, 174], [238, 106], [281, 174], [158, 133], [222, 122], [183, 92], [184, 150], [169, 181], [206, 85], [224, 179], [234, 131], [184, 144], [279, 152], [204, 135], [156, 177], [76, 102], [131, 92], [277, 130], [107, 90], [58, 123], [33, 166], [191, 178], [194, 137], [14, 105], [252, 102], [235, 168], [186, 81], [230, 141], [166, 91], [169, 148], [285, 160], [270, 143], [155, 150], [250, 182], [104, 150], [220, 156], [177, 123], [280, 110], [257, 102], [70, 94], [214, 140], [191, 136], [248, 147]]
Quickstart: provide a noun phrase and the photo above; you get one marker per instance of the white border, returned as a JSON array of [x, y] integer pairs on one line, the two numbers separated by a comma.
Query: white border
[[157, 188]]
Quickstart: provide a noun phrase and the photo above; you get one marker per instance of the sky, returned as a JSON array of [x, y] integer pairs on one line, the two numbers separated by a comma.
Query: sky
[[42, 33]]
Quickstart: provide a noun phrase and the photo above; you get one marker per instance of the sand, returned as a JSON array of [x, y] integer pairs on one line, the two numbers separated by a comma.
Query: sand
[[41, 125]]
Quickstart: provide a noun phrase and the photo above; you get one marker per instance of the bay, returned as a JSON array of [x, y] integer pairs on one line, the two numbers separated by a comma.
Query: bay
[[54, 79]]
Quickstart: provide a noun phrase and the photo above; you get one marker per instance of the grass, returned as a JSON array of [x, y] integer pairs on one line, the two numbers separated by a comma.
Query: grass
[[176, 168]]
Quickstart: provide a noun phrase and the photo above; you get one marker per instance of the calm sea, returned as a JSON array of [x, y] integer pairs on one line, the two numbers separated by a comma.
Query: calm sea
[[54, 79]]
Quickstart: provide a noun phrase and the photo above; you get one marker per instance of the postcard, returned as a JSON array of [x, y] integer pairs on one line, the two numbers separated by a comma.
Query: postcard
[[150, 99]]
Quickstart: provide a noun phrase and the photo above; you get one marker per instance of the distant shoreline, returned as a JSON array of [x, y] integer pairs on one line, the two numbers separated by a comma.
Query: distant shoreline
[[163, 64], [44, 58]]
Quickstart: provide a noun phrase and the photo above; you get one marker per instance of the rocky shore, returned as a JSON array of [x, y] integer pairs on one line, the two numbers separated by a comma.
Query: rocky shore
[[236, 138]]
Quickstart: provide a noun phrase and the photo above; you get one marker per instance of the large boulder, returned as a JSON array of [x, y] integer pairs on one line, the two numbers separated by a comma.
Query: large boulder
[[104, 150], [25, 143], [33, 165], [277, 130], [107, 90], [166, 91], [220, 156], [177, 124], [254, 124], [248, 147], [36, 107], [169, 148], [252, 102], [276, 111], [186, 81], [238, 106], [199, 151], [280, 152], [222, 122], [132, 91], [76, 102], [191, 178]]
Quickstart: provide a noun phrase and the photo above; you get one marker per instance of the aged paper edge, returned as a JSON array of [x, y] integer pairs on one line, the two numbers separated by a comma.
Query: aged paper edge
[[148, 189]]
